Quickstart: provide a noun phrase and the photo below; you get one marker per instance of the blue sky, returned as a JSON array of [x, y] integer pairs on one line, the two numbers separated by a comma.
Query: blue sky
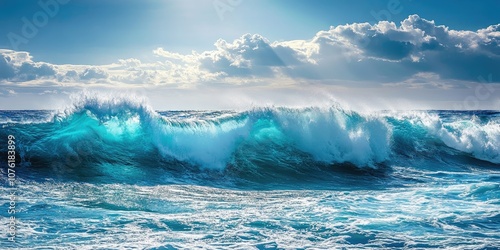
[[407, 50], [96, 31]]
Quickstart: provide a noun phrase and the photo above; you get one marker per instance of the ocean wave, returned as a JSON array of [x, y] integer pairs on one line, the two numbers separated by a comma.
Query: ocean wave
[[469, 133], [126, 131]]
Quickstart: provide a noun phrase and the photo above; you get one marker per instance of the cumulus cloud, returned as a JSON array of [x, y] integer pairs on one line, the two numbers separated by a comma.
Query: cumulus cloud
[[18, 67], [130, 63], [6, 69], [415, 52], [31, 71], [250, 55], [93, 73], [382, 52], [386, 51]]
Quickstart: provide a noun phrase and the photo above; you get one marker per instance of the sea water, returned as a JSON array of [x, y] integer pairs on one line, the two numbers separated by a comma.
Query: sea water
[[115, 174]]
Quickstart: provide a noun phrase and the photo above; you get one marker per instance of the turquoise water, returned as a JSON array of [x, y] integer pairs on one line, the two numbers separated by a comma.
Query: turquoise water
[[116, 174]]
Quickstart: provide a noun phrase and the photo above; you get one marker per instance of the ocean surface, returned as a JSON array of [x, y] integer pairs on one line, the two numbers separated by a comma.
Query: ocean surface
[[116, 174]]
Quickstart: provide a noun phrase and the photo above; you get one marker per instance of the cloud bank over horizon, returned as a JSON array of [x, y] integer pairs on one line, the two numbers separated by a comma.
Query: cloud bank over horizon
[[415, 54]]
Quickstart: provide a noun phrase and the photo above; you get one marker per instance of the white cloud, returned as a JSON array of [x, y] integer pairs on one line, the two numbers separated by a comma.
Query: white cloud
[[415, 53], [19, 67], [93, 73]]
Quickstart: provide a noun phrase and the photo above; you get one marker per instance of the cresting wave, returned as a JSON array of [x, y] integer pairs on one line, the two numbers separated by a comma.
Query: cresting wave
[[124, 131], [476, 133]]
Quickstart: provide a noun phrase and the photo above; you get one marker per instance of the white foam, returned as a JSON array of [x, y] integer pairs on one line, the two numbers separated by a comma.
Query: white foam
[[467, 135], [335, 136]]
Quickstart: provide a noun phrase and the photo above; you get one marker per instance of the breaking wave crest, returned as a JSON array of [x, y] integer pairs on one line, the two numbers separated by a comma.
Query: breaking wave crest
[[126, 131]]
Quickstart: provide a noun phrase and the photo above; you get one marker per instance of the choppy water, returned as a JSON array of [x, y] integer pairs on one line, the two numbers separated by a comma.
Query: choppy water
[[109, 174]]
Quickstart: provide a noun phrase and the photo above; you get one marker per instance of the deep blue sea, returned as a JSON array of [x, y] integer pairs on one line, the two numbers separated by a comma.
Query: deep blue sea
[[115, 174]]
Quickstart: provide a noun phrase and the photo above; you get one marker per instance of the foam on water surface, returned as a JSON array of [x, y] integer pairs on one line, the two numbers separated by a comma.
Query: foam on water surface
[[114, 173]]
